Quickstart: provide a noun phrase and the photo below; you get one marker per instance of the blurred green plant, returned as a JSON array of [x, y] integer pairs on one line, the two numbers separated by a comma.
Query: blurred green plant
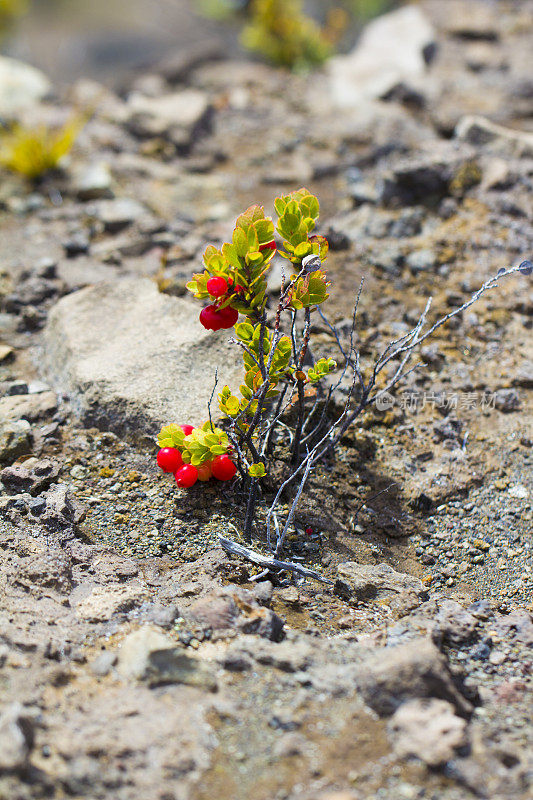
[[366, 9], [284, 34], [34, 151], [281, 32], [10, 10], [219, 9]]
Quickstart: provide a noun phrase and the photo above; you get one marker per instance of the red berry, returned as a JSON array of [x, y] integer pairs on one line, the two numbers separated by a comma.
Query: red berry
[[169, 459], [268, 246], [204, 471], [217, 287], [209, 318], [186, 476], [214, 318], [238, 289], [223, 468], [187, 429], [309, 531], [228, 317]]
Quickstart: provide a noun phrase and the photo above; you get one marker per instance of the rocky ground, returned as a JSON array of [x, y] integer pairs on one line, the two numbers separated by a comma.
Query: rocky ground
[[138, 660]]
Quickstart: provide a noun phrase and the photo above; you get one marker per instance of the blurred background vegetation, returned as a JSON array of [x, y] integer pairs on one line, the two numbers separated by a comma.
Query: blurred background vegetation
[[104, 39]]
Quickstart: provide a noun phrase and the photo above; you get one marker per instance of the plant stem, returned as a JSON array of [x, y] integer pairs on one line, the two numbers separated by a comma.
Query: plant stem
[[300, 387], [250, 509]]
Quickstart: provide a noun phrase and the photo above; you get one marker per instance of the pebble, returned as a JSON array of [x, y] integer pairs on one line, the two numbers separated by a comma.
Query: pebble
[[94, 182]]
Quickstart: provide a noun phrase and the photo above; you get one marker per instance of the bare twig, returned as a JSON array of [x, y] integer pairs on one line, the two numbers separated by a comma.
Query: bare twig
[[211, 400], [290, 515], [272, 564]]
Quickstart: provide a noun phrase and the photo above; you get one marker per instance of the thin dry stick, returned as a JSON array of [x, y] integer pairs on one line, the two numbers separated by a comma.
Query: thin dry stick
[[337, 429], [269, 563]]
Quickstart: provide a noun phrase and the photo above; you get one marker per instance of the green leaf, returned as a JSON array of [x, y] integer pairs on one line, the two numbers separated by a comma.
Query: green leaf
[[289, 223], [309, 206], [244, 331], [280, 205], [230, 254], [303, 249], [264, 229], [240, 242], [257, 470], [254, 257]]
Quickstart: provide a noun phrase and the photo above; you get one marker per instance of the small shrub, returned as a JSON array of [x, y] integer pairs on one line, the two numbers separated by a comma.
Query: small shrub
[[283, 34], [284, 410], [33, 152]]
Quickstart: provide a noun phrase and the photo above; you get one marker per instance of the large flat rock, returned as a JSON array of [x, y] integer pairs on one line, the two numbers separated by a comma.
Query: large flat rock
[[21, 85], [133, 359], [393, 49]]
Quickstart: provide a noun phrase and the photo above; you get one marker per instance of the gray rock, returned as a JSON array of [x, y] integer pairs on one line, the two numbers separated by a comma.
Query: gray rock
[[117, 214], [409, 223], [263, 592], [28, 407], [289, 656], [369, 582], [454, 625], [388, 257], [364, 192], [349, 227], [50, 569], [393, 49], [442, 169], [38, 387], [409, 671], [337, 240], [15, 440], [33, 476], [428, 730], [103, 664], [290, 745], [94, 182], [447, 428], [236, 660], [16, 737], [174, 666], [158, 614], [180, 116], [20, 86], [32, 291], [222, 610], [77, 244], [104, 602], [524, 375], [481, 132], [62, 508], [472, 21], [14, 505], [149, 655], [135, 649], [497, 174], [134, 359], [37, 505], [507, 400], [6, 352], [421, 260]]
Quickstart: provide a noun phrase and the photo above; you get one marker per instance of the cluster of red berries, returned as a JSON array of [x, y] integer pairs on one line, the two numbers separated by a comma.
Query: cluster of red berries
[[214, 318], [169, 459]]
